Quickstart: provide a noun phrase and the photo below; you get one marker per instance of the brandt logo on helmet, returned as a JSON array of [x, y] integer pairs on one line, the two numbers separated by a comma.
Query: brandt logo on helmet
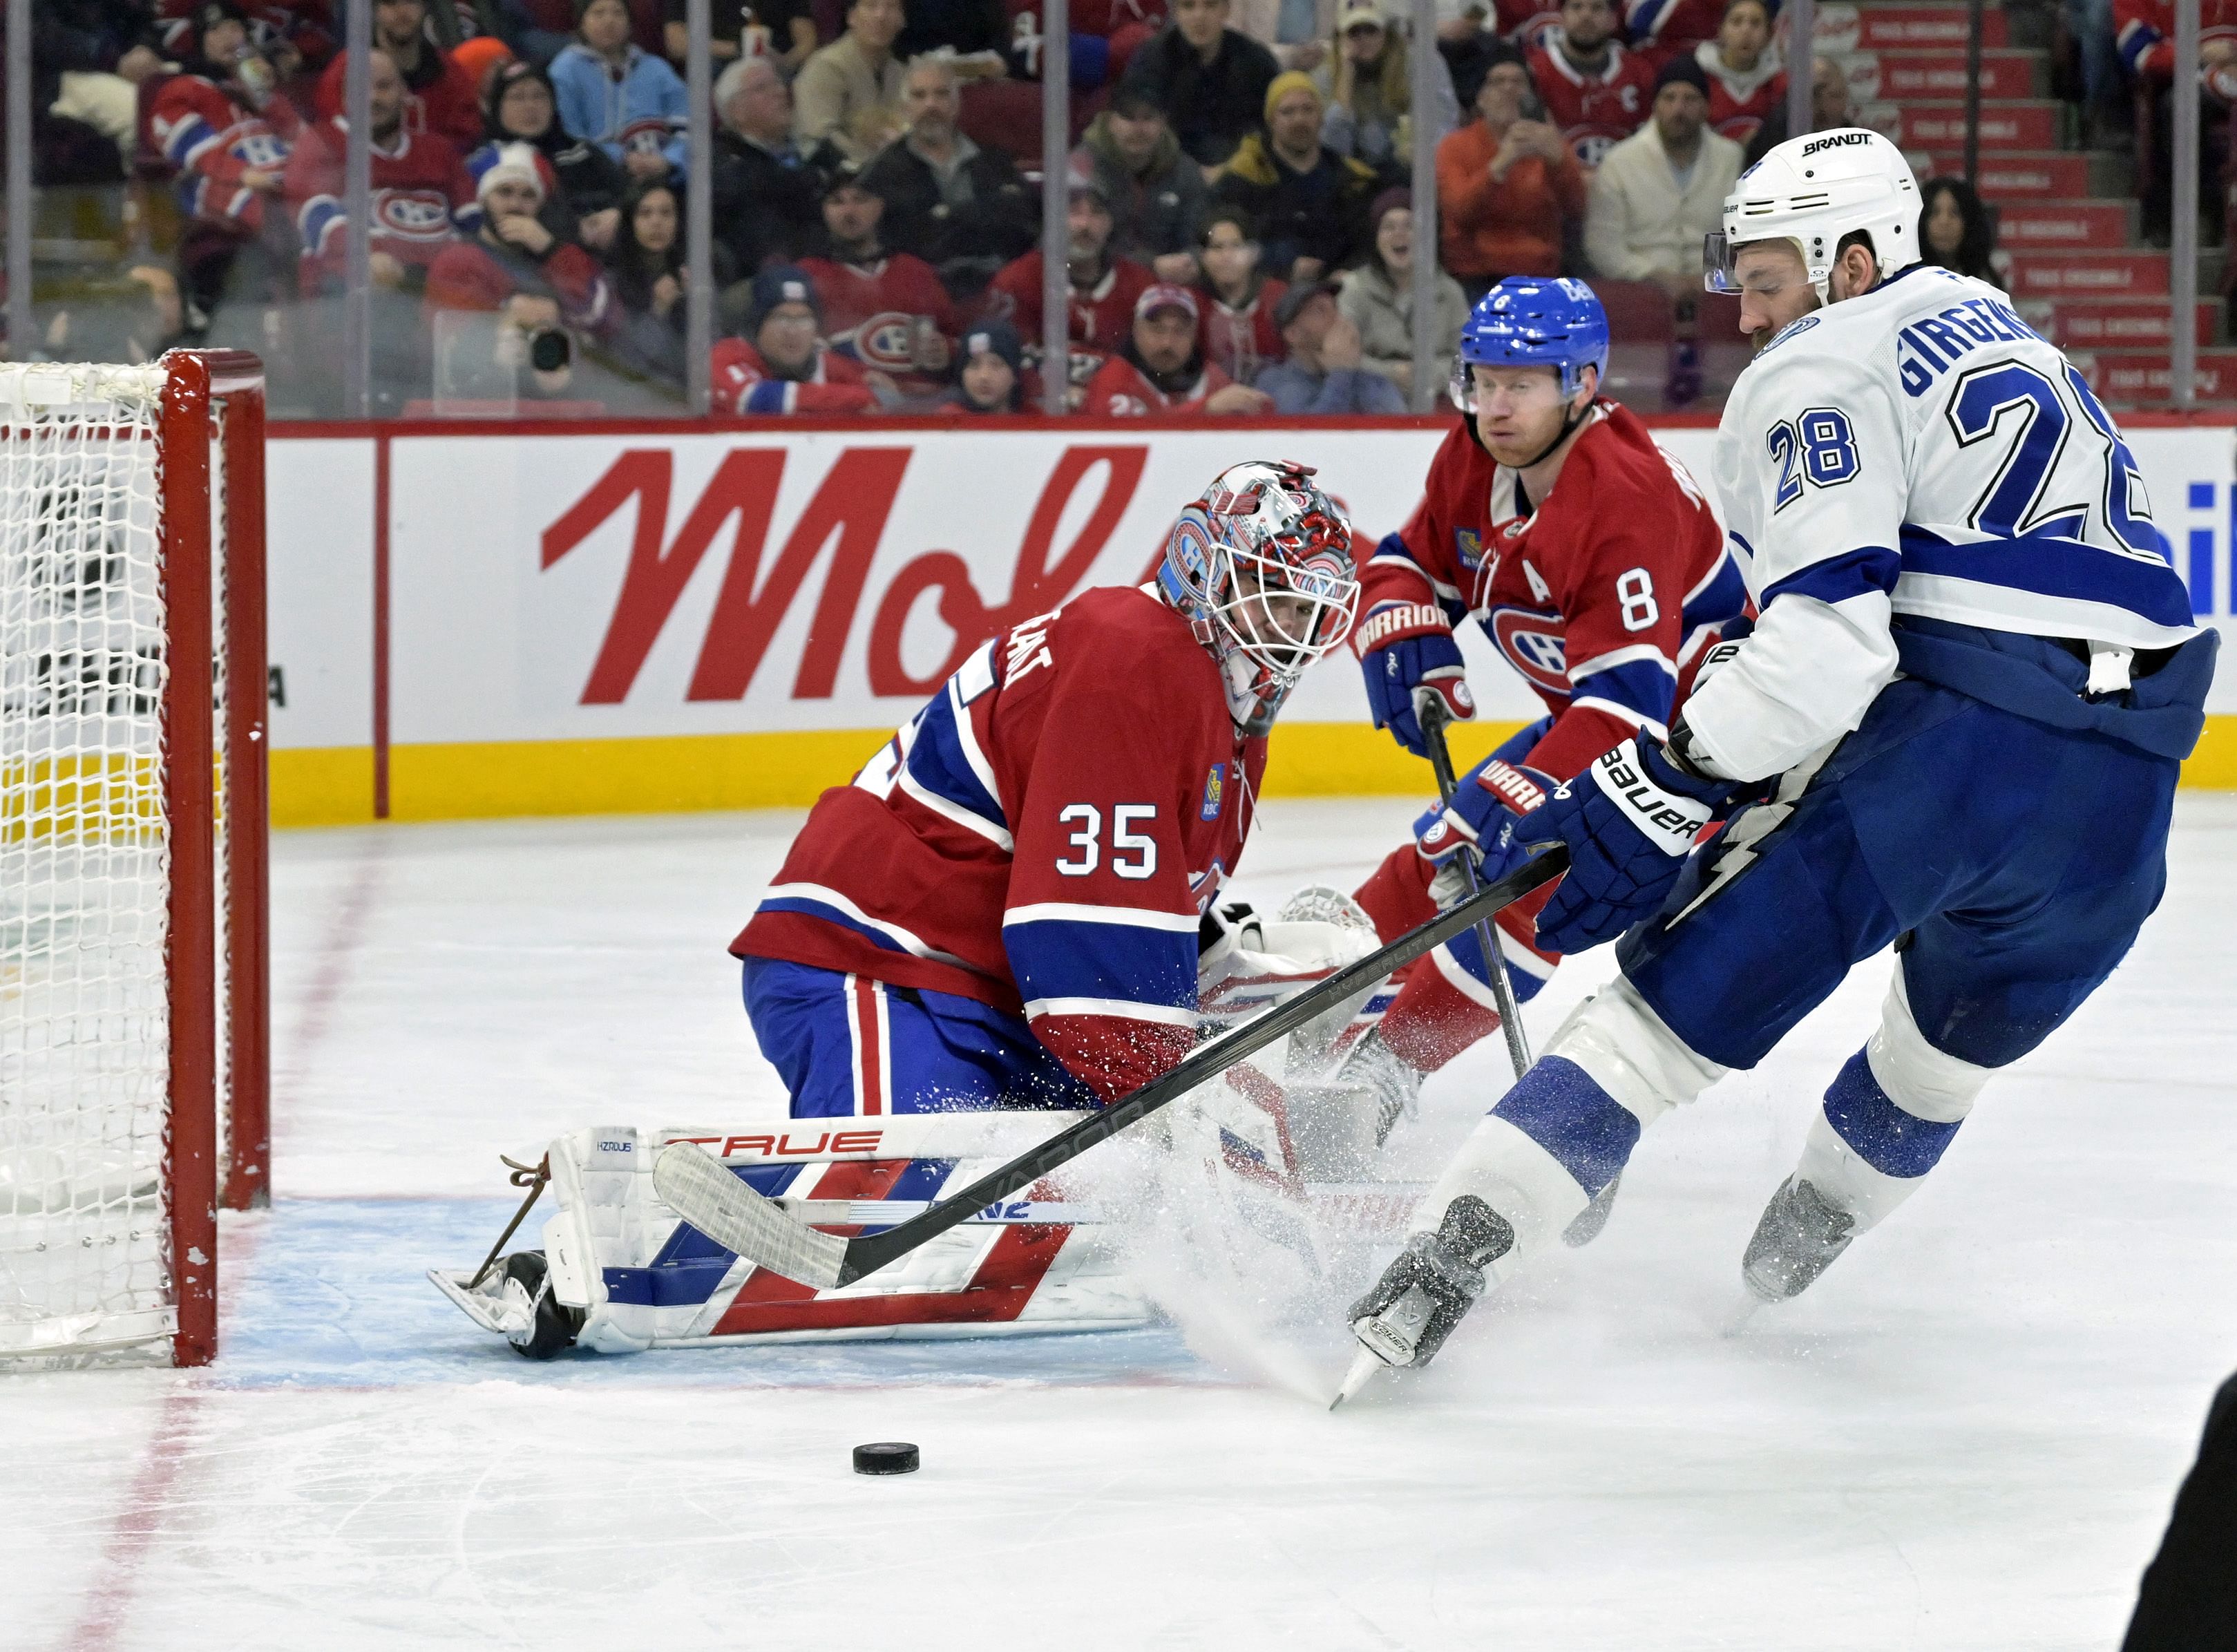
[[1837, 141]]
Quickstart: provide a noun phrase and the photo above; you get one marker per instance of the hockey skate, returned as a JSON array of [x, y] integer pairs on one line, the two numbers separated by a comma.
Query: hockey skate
[[515, 1301], [1430, 1284], [1799, 1235]]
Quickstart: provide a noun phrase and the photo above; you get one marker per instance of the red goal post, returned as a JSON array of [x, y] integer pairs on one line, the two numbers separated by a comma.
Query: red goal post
[[134, 945]]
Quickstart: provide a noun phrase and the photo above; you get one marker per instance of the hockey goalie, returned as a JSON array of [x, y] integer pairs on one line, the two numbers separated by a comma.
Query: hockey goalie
[[1010, 917]]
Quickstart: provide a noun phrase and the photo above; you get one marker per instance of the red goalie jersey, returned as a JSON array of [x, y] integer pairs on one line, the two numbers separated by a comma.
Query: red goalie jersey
[[1601, 597], [1043, 837]]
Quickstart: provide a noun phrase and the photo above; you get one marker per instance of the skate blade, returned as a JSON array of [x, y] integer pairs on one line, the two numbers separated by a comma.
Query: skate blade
[[1365, 1364], [1742, 1313]]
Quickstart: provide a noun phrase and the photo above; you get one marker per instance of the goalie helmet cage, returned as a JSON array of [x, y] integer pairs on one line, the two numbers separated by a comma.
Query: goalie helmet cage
[[133, 964]]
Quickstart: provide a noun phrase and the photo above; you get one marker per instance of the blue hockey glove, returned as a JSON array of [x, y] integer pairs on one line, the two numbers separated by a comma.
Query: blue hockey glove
[[1630, 821], [1406, 649], [1480, 822]]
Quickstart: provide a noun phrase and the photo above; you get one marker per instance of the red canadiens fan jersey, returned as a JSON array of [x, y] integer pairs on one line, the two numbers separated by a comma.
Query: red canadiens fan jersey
[[1526, 22], [1120, 390], [213, 141], [2144, 31], [419, 184], [743, 383], [1740, 103], [1102, 316], [872, 312], [1661, 29], [1042, 836], [1599, 598], [1594, 112], [1241, 339]]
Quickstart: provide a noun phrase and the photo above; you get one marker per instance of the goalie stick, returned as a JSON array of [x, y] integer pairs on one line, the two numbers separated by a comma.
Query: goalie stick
[[698, 1188], [1432, 718]]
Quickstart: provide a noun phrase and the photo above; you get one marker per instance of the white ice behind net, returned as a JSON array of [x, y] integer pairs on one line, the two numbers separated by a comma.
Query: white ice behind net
[[84, 859]]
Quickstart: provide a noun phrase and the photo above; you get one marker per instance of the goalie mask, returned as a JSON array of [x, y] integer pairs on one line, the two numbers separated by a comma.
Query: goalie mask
[[1262, 568]]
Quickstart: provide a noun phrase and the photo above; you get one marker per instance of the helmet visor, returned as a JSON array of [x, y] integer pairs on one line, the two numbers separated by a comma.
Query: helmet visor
[[1717, 275]]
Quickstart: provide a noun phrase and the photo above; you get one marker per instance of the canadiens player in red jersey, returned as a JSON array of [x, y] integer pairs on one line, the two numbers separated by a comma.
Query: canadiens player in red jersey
[[1002, 910], [1593, 563]]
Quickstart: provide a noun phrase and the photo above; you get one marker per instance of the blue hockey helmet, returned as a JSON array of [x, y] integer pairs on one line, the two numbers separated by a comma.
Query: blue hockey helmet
[[1532, 322]]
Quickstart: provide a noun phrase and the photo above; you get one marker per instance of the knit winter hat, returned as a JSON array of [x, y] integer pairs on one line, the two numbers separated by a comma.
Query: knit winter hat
[[994, 338], [782, 284], [1295, 80], [1684, 68], [514, 163]]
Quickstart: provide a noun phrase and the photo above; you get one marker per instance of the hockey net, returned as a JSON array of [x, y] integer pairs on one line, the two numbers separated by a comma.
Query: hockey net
[[133, 1064]]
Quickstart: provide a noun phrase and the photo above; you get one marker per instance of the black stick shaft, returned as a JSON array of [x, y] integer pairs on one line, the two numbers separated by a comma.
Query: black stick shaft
[[1502, 990], [871, 1251]]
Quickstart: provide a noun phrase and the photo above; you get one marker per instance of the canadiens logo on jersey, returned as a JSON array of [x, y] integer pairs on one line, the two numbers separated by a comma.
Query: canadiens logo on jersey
[[1534, 644], [1215, 790], [415, 214], [885, 342]]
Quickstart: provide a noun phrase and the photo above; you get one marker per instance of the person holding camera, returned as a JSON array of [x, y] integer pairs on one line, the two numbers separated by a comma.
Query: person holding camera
[[512, 254]]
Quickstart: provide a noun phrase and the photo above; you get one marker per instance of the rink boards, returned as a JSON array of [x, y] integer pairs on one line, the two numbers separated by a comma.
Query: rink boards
[[477, 621]]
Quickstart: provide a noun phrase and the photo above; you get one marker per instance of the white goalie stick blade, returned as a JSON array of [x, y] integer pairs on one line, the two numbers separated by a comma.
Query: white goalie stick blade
[[695, 1185]]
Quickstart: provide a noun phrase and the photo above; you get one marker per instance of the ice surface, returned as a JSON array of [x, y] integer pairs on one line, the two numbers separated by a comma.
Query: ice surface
[[1967, 1436]]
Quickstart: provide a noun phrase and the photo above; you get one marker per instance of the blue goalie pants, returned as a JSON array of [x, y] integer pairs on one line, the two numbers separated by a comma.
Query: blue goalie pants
[[848, 1046], [2010, 864]]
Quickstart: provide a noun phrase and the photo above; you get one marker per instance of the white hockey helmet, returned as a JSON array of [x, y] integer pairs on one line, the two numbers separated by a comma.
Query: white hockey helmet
[[1814, 190]]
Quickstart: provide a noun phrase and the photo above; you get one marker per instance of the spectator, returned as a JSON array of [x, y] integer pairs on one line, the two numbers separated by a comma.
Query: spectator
[[512, 254], [1746, 79], [1956, 231], [1157, 193], [627, 101], [87, 62], [854, 81], [2146, 40], [419, 186], [1309, 202], [1521, 23], [480, 56], [886, 310], [1662, 31], [441, 95], [585, 204], [1595, 91], [1829, 107], [220, 124], [1378, 300], [1239, 332], [1297, 32], [781, 29], [1661, 190], [650, 281], [1103, 287], [786, 369], [1209, 80], [1367, 87], [966, 28], [1507, 183], [1158, 368], [992, 381], [1323, 371], [962, 209], [2092, 26], [762, 189]]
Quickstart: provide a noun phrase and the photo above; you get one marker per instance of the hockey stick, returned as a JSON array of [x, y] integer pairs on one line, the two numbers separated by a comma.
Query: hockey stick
[[1432, 718], [697, 1185]]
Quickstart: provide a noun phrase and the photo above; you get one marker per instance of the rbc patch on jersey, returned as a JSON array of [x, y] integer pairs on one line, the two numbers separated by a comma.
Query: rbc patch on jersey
[[1469, 548], [1215, 789]]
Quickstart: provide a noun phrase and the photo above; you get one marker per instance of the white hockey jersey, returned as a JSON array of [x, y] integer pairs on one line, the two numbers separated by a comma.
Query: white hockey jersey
[[1916, 450]]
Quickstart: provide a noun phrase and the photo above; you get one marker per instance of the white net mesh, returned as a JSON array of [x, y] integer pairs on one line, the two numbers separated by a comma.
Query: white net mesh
[[84, 859]]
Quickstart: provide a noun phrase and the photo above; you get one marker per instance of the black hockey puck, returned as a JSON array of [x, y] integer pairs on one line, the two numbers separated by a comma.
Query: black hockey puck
[[885, 1456]]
